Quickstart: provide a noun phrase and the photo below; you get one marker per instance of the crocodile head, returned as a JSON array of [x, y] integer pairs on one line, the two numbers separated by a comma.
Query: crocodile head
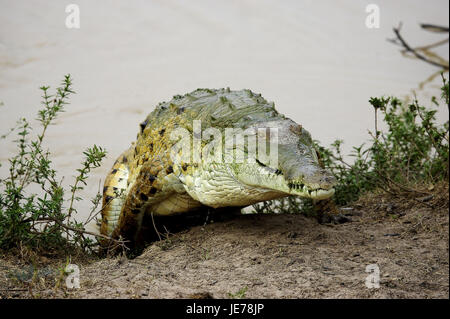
[[295, 172]]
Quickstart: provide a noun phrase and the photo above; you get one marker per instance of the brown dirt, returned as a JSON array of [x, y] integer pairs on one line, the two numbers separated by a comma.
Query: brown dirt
[[275, 256]]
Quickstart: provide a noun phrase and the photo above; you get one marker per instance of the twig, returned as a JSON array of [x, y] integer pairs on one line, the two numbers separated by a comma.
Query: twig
[[81, 231], [90, 217], [404, 188], [432, 45], [434, 28], [413, 51], [154, 226]]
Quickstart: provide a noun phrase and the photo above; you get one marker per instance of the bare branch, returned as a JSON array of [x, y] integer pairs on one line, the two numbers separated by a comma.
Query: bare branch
[[434, 28], [400, 41], [77, 230]]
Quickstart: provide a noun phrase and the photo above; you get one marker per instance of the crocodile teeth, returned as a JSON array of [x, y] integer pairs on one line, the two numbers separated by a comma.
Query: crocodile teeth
[[297, 186], [318, 193]]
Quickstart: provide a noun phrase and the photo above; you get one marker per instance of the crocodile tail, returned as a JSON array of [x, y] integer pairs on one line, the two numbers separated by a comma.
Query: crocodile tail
[[114, 194]]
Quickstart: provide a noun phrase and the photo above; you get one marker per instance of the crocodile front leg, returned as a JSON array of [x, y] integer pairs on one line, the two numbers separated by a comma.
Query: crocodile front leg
[[114, 192], [148, 189]]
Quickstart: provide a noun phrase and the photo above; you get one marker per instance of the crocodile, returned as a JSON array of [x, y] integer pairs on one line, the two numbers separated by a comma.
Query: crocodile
[[157, 176]]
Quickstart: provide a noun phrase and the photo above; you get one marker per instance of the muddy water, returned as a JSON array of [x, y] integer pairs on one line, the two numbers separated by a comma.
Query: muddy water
[[316, 59]]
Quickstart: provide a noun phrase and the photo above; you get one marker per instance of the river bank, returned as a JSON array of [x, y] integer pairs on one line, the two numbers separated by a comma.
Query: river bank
[[268, 256]]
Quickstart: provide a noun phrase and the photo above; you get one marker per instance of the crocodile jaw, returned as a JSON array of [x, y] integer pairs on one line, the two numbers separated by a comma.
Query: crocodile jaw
[[260, 177], [221, 185], [308, 192]]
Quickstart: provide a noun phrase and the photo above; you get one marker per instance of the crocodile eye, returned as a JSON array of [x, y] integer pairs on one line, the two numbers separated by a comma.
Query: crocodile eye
[[276, 171], [262, 164]]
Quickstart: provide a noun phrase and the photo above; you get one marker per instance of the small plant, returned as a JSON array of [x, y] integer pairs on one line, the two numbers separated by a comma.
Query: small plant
[[240, 294], [40, 220]]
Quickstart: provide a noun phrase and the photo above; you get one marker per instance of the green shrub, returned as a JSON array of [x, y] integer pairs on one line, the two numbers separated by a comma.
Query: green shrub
[[40, 220]]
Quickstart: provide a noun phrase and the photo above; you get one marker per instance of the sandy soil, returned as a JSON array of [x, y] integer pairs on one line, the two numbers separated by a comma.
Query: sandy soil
[[273, 256]]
